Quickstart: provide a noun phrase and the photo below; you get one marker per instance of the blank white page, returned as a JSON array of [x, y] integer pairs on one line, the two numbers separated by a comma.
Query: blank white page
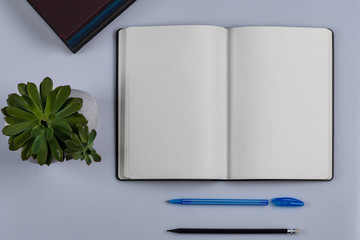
[[175, 102], [280, 103]]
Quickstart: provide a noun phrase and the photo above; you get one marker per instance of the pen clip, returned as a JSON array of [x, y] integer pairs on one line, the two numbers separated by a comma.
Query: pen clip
[[287, 202]]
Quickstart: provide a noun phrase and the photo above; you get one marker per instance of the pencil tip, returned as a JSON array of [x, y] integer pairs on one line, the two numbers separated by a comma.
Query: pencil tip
[[172, 230], [293, 231]]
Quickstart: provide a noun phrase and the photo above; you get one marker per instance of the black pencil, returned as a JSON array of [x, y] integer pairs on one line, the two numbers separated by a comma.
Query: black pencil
[[235, 230]]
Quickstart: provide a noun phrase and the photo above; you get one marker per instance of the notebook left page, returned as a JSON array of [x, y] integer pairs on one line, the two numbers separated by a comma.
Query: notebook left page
[[173, 83]]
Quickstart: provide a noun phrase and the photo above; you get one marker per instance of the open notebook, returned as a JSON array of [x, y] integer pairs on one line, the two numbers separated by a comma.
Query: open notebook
[[206, 102]]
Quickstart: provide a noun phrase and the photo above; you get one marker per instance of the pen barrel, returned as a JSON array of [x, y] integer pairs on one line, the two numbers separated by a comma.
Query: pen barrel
[[247, 202], [231, 231]]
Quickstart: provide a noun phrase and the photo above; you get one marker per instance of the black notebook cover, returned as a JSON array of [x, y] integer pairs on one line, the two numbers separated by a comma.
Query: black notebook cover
[[77, 22]]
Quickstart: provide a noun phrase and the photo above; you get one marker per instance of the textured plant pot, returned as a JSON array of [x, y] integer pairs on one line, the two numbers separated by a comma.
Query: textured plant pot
[[89, 108]]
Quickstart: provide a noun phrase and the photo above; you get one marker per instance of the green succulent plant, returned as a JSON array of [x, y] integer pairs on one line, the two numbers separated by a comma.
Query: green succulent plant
[[80, 146], [40, 121]]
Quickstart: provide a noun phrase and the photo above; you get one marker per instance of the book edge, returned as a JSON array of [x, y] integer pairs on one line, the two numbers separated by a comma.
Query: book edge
[[94, 31], [101, 26]]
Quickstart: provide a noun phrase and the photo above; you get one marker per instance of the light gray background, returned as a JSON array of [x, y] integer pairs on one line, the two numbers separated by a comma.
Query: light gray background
[[73, 201]]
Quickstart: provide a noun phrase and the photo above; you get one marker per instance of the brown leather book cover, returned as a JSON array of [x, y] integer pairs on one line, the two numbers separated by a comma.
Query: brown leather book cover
[[67, 16], [77, 21]]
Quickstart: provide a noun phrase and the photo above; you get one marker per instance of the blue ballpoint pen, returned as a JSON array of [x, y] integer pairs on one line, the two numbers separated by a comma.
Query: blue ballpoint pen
[[279, 202], [194, 201]]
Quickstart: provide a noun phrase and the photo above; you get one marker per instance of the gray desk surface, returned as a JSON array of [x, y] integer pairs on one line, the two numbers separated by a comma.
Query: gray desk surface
[[72, 201]]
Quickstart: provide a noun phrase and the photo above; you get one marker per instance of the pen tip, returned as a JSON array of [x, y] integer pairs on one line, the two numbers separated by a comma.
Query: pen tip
[[167, 201]]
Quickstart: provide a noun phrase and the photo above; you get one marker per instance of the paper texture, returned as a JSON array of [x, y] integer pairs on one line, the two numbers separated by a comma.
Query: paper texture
[[175, 102], [280, 103]]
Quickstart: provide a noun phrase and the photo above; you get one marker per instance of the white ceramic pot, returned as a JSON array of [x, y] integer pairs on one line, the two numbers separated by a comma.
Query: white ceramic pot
[[89, 108]]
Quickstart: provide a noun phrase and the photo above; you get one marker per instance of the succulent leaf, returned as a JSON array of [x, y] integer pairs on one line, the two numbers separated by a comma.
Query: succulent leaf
[[49, 157], [61, 97], [43, 154], [92, 136], [71, 100], [22, 138], [61, 126], [11, 143], [15, 100], [14, 129], [69, 110], [12, 120], [35, 95], [75, 138], [96, 157], [60, 135], [56, 150], [30, 105], [75, 120], [70, 151], [38, 143], [83, 134], [50, 99], [57, 89], [36, 131], [73, 145], [3, 110], [19, 113], [22, 88], [45, 87], [77, 155], [26, 151], [49, 133], [87, 159]]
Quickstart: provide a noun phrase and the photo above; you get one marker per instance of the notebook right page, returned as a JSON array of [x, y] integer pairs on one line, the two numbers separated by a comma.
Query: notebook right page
[[280, 103]]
